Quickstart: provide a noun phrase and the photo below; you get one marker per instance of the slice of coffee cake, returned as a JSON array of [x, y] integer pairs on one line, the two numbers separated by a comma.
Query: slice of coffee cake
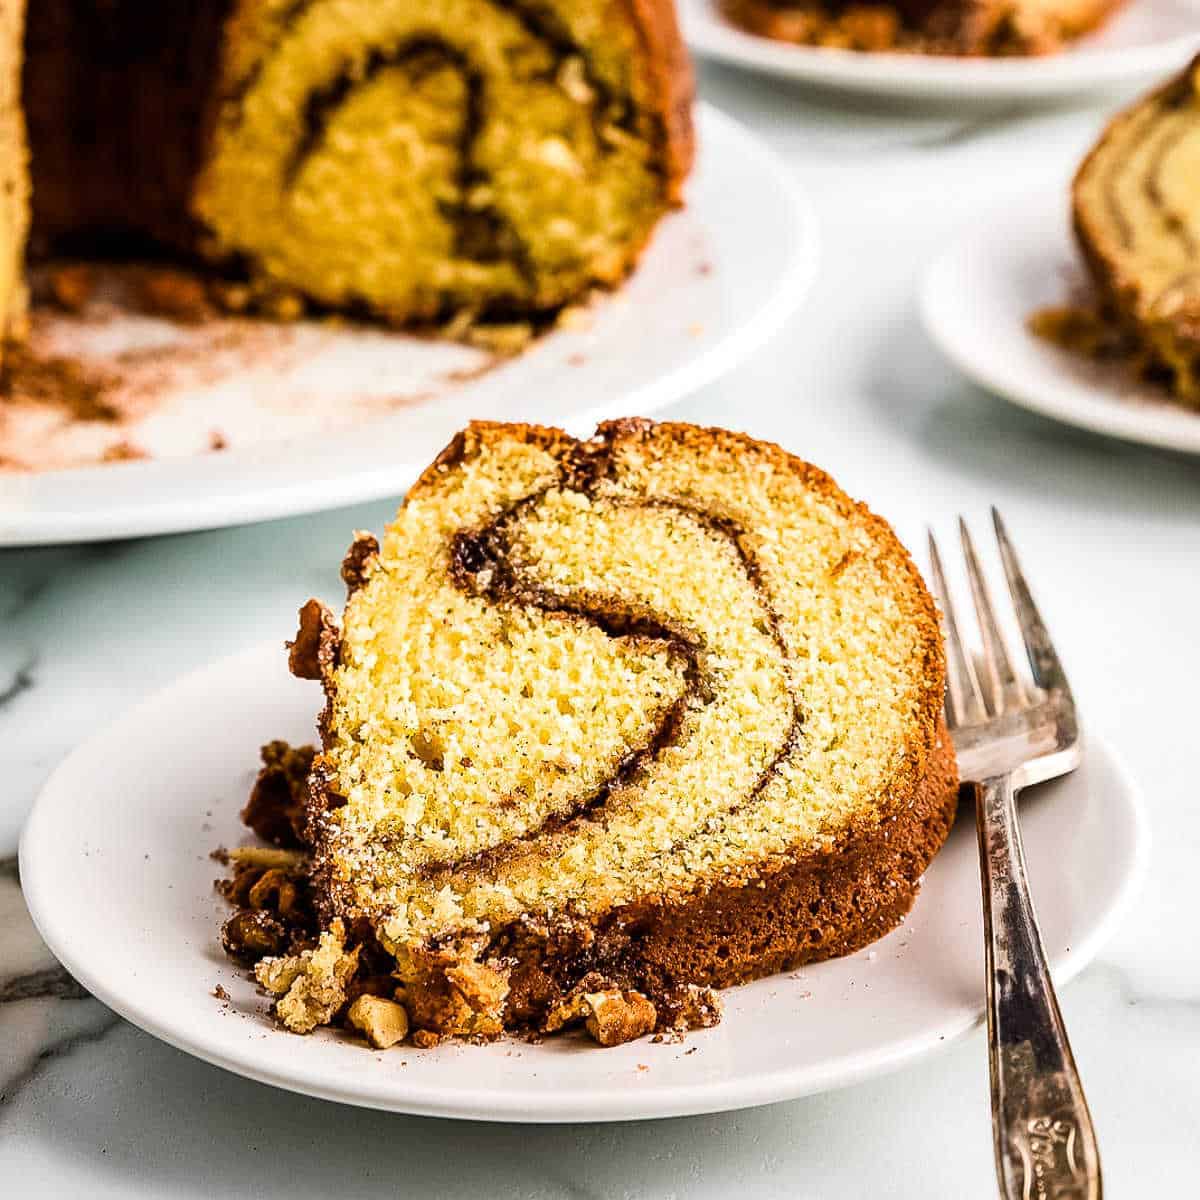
[[608, 723]]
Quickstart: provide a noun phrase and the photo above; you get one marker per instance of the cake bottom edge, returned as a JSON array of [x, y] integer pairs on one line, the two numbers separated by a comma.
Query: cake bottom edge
[[648, 967]]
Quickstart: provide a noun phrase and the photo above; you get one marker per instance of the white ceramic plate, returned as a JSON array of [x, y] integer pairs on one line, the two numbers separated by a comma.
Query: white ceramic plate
[[1146, 39], [718, 279], [977, 298], [115, 870]]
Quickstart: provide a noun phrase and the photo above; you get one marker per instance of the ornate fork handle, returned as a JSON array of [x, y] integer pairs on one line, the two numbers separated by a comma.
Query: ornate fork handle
[[1044, 1140]]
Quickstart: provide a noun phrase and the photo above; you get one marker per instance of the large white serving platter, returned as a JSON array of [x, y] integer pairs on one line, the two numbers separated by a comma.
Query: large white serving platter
[[1147, 38], [718, 279], [115, 870]]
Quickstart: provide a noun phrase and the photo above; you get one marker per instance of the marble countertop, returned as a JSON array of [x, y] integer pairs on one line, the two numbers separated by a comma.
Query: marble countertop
[[91, 1106]]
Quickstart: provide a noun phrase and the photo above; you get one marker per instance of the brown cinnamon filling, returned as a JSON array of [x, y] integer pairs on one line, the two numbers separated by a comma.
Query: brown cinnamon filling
[[481, 563]]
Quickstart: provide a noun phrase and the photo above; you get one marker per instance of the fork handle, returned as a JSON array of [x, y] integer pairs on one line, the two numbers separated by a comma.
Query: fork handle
[[1044, 1139]]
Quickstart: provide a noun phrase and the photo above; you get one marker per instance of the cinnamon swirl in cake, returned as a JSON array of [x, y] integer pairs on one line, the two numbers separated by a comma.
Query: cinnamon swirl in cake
[[1136, 207], [608, 724], [416, 161]]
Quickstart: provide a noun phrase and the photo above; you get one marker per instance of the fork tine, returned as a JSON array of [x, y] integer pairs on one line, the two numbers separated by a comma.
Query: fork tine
[[964, 700], [1002, 687], [1043, 659]]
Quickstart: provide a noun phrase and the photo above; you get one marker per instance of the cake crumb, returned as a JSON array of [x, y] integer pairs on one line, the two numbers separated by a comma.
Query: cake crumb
[[311, 986]]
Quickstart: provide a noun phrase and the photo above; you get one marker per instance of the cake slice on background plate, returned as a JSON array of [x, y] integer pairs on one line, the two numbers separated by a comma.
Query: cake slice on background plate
[[993, 28], [1136, 209]]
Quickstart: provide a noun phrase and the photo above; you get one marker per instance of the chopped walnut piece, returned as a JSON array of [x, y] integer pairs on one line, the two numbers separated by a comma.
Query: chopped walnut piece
[[314, 652], [382, 1022], [311, 985], [618, 1017], [426, 1039], [275, 809], [364, 550], [612, 1016], [275, 890], [250, 935]]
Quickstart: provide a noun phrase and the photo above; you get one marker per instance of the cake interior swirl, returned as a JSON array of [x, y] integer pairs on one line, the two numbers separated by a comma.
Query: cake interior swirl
[[414, 161], [1135, 205], [608, 724]]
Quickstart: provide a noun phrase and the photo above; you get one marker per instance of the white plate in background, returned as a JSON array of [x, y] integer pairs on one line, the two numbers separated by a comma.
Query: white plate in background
[[976, 301], [115, 870], [718, 278], [1145, 40]]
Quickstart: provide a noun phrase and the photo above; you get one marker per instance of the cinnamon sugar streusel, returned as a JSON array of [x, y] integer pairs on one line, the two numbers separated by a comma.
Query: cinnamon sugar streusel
[[330, 977]]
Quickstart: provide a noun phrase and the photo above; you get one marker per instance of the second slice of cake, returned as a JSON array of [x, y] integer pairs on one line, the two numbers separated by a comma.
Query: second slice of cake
[[611, 722]]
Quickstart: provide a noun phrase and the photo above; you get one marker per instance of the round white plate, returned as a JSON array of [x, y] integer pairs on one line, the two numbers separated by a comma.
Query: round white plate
[[1147, 38], [977, 298], [718, 279], [115, 870]]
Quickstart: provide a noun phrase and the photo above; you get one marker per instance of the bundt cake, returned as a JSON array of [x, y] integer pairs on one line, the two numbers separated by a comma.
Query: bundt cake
[[961, 27], [1136, 207], [413, 160], [607, 724], [14, 179]]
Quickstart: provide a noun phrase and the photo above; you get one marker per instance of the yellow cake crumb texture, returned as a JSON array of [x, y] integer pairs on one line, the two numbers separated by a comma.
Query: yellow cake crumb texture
[[467, 722]]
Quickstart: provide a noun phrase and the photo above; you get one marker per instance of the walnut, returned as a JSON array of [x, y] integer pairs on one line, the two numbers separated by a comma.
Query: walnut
[[249, 935], [611, 1016], [382, 1022], [356, 566], [275, 809], [311, 985], [275, 890], [314, 652]]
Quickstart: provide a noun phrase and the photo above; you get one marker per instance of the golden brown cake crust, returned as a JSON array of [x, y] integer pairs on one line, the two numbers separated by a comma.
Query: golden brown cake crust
[[674, 86], [814, 907], [1122, 293], [774, 915]]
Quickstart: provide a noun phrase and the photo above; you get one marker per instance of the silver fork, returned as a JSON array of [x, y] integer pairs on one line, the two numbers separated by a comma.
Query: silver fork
[[1010, 732]]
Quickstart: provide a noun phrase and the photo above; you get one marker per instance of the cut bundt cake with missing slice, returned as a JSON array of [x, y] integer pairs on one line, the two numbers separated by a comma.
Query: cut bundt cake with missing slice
[[1136, 207], [609, 723], [413, 160]]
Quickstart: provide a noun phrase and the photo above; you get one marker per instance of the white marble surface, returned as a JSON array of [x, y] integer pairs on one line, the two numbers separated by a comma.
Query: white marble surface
[[90, 1106]]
